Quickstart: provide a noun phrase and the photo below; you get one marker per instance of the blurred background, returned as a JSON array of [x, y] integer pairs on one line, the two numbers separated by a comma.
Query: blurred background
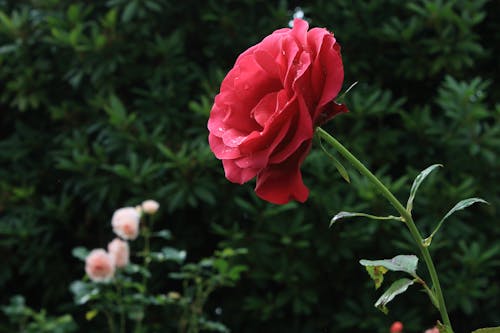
[[104, 104]]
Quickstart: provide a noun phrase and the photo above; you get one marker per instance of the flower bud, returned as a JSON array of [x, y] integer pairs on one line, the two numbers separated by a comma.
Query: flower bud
[[396, 327], [150, 206]]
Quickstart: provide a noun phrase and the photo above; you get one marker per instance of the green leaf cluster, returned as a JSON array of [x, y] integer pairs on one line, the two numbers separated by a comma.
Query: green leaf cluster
[[104, 103]]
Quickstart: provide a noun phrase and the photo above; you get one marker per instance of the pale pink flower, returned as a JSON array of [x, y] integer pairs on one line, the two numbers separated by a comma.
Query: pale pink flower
[[99, 265], [120, 252], [150, 206], [432, 330], [125, 222]]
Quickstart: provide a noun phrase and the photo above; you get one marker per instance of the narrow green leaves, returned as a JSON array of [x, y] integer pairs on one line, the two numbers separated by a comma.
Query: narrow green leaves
[[401, 263], [416, 184], [459, 206], [398, 287], [342, 215], [462, 205]]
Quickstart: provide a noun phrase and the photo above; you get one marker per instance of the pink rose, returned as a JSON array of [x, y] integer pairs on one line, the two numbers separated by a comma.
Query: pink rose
[[99, 266], [150, 206], [262, 122], [120, 252], [125, 222], [432, 330]]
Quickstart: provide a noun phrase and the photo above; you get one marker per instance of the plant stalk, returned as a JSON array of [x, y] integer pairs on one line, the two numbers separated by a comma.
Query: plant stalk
[[404, 214]]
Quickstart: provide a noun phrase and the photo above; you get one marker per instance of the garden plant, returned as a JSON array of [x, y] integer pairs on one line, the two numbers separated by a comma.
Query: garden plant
[[374, 159]]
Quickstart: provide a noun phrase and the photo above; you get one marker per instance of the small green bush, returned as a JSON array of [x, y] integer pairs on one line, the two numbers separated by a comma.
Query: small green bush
[[105, 103]]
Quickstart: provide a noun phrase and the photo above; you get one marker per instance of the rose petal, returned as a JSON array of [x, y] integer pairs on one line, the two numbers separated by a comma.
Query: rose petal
[[236, 174], [281, 183], [220, 150]]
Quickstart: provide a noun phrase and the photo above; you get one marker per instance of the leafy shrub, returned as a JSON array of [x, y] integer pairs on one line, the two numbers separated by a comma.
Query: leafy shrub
[[106, 103]]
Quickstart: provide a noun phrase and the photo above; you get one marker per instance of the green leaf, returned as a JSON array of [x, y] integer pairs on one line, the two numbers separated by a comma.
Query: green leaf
[[73, 12], [377, 274], [401, 263], [342, 215], [488, 330], [89, 315], [398, 287], [416, 184], [462, 205], [338, 165], [235, 272], [83, 292], [133, 268], [116, 111], [129, 11], [80, 253], [213, 326], [6, 21], [169, 254], [8, 48], [459, 206], [165, 234]]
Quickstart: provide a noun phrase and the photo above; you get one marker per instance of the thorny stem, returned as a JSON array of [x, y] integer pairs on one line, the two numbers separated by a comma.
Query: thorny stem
[[404, 214]]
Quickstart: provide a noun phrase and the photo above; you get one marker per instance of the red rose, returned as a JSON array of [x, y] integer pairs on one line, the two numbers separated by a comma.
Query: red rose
[[396, 327], [262, 122]]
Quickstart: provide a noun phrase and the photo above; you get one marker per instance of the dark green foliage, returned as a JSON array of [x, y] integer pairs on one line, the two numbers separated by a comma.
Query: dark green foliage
[[27, 320], [104, 104]]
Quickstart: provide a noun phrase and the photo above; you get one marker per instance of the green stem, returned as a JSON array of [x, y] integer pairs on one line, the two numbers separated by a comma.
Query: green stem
[[404, 213], [111, 324], [121, 307], [147, 259]]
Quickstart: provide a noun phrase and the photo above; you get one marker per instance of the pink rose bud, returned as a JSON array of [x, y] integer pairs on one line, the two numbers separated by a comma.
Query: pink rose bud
[[396, 327], [99, 265], [150, 206], [120, 252], [432, 330], [125, 222], [263, 119]]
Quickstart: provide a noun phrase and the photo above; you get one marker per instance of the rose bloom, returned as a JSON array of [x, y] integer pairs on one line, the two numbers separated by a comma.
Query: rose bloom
[[125, 222], [262, 122], [120, 252], [150, 206], [99, 265], [396, 327]]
